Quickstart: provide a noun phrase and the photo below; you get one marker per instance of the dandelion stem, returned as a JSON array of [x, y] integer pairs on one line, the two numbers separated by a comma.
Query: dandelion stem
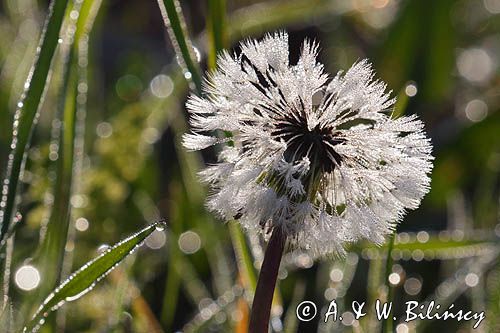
[[261, 307]]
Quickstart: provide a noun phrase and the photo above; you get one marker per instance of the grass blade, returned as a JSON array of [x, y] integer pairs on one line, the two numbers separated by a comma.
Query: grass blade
[[26, 114], [216, 27], [85, 278], [52, 247], [435, 247], [176, 27], [243, 257], [388, 323]]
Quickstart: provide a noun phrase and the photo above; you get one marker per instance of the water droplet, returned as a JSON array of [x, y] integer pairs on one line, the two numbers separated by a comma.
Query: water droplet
[[156, 240], [102, 248], [197, 54], [74, 14]]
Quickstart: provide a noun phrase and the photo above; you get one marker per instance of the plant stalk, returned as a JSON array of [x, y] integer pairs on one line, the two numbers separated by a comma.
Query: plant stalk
[[261, 307]]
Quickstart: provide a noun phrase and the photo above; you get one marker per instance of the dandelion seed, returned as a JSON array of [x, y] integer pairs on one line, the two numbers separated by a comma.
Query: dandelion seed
[[318, 157]]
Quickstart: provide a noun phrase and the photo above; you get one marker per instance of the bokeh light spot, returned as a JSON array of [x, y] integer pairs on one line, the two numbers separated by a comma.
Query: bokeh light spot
[[161, 86], [81, 224], [128, 87], [27, 277], [394, 279], [413, 286], [189, 242], [476, 110], [156, 240], [475, 65]]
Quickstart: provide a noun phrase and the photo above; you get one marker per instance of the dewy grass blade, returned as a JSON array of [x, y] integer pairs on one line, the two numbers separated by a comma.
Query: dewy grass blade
[[216, 27], [387, 324], [52, 248], [243, 256], [85, 278], [176, 27], [434, 247], [26, 115], [218, 41]]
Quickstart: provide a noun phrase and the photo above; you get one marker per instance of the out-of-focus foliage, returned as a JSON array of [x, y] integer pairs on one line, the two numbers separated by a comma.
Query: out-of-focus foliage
[[440, 57]]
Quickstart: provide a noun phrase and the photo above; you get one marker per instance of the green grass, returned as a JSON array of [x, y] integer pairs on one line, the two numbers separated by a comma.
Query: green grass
[[120, 155]]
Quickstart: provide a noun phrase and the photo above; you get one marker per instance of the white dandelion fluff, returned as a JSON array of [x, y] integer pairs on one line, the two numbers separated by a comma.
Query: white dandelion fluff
[[318, 157]]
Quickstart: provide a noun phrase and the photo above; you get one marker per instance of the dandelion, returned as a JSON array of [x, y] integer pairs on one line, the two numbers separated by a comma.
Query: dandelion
[[312, 159]]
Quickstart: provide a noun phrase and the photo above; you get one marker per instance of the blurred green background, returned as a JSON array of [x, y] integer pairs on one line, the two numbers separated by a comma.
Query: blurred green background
[[440, 58]]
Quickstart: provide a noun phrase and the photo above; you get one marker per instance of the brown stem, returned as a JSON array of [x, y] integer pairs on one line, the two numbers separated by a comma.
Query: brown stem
[[261, 307]]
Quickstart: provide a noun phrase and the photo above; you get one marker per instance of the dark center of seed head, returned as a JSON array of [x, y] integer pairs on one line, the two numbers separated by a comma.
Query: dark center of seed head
[[317, 143]]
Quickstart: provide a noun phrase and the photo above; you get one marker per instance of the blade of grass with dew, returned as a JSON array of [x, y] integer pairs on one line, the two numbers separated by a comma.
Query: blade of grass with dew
[[195, 197], [9, 248], [291, 322], [16, 59], [218, 39], [85, 278], [176, 27], [174, 21], [271, 15], [138, 304], [348, 268], [436, 248], [52, 251], [243, 256], [456, 285], [7, 321], [173, 280], [180, 270], [199, 322], [26, 114], [190, 163], [215, 233], [387, 324], [374, 286], [193, 285], [190, 196], [88, 12], [216, 27]]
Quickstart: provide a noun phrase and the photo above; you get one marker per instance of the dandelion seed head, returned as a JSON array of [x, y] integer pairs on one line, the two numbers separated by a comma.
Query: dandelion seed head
[[318, 156]]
